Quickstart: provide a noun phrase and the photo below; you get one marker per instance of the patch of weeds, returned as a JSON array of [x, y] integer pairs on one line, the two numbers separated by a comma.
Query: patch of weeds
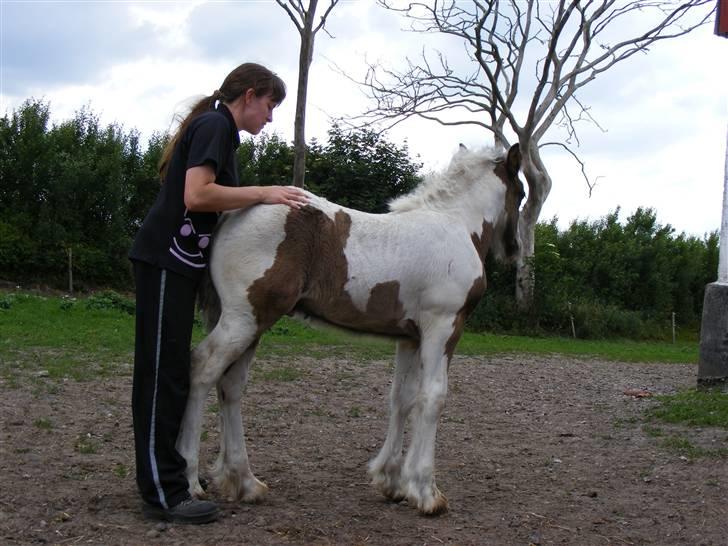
[[120, 470], [625, 423], [108, 299], [86, 445], [683, 447], [653, 432], [43, 423], [213, 408], [354, 411], [693, 408], [318, 412], [204, 436]]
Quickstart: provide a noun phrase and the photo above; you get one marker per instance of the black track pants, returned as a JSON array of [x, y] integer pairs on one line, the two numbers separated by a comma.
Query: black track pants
[[165, 305]]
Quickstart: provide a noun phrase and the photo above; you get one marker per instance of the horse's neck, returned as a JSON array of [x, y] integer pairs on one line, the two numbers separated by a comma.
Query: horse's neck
[[471, 207]]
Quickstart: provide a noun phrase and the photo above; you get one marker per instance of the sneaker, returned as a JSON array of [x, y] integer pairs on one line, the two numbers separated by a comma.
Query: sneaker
[[193, 511]]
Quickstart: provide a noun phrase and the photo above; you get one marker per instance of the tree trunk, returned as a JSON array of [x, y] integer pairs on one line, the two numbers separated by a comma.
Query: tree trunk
[[299, 128], [539, 186]]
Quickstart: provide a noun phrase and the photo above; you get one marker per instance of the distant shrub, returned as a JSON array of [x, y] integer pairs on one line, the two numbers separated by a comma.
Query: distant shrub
[[68, 303], [108, 299], [6, 301]]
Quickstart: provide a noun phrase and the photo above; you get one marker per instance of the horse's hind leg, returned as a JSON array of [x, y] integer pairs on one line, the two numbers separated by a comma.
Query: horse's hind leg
[[231, 472], [210, 359], [385, 468], [419, 464]]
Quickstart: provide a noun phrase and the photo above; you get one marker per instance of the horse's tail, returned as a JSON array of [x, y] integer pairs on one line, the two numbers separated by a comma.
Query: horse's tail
[[208, 301]]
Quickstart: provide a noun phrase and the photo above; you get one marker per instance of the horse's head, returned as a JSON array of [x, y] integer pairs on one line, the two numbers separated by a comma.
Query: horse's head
[[505, 233]]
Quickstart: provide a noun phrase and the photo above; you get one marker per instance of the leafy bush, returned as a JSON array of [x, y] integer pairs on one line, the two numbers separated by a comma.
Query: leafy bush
[[6, 301], [108, 299]]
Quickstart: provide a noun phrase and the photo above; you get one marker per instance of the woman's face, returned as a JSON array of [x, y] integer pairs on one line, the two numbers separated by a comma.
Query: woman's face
[[257, 112]]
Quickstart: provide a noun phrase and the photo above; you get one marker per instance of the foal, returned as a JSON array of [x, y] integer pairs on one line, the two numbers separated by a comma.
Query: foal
[[413, 274]]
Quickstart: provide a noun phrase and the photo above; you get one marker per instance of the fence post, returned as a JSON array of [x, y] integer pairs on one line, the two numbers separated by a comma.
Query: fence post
[[70, 270], [673, 327], [713, 359], [571, 320]]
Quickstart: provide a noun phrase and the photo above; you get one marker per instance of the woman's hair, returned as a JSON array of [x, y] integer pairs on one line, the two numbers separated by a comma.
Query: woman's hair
[[246, 76]]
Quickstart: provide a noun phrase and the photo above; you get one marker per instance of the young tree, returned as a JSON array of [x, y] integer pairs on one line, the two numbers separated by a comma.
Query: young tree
[[574, 41], [304, 20]]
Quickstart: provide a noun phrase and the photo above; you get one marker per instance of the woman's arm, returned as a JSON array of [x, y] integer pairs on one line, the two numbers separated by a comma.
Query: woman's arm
[[202, 194]]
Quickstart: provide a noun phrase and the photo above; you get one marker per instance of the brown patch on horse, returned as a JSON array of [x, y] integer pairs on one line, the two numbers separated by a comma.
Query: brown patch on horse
[[507, 171], [277, 291], [309, 274], [482, 242], [471, 300]]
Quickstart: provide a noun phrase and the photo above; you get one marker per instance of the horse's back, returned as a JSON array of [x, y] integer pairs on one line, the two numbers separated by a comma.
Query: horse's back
[[343, 265]]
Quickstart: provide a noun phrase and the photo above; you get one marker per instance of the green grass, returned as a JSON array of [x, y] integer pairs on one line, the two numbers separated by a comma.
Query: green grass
[[614, 350], [46, 335], [693, 408], [59, 337]]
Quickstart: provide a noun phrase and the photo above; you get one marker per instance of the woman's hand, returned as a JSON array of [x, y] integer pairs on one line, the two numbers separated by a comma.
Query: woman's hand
[[284, 195]]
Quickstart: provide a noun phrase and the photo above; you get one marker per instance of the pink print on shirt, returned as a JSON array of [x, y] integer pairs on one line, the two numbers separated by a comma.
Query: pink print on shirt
[[188, 245]]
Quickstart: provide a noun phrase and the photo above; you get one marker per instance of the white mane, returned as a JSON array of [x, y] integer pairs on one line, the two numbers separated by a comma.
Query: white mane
[[466, 167]]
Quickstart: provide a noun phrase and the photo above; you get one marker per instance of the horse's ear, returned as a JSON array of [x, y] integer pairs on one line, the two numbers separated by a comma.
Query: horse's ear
[[513, 161], [462, 147]]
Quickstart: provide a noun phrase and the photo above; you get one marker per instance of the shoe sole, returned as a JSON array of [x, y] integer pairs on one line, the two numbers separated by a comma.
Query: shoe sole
[[160, 514]]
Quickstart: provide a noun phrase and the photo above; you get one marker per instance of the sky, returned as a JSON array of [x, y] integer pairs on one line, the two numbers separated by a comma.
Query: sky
[[663, 116]]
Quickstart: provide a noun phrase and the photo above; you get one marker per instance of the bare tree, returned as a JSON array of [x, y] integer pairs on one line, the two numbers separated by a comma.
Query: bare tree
[[570, 43], [303, 19]]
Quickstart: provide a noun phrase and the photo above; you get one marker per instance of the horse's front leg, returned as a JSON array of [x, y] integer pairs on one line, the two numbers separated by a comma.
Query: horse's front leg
[[419, 465], [386, 468], [231, 472]]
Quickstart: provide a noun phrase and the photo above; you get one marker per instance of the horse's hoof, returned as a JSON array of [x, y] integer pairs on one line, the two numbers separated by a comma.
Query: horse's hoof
[[433, 507], [430, 502], [197, 491], [254, 492]]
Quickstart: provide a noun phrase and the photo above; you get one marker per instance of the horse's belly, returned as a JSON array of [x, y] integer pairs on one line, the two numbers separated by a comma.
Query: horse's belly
[[383, 314]]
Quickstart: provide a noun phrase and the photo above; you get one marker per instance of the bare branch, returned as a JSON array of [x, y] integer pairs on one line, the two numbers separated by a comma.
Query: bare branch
[[591, 185], [501, 35], [289, 10], [322, 22]]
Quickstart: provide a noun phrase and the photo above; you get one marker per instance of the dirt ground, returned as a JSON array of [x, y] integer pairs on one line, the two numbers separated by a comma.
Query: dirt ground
[[545, 450]]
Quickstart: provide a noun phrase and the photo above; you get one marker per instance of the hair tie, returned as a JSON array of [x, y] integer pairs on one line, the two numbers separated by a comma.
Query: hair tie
[[215, 98]]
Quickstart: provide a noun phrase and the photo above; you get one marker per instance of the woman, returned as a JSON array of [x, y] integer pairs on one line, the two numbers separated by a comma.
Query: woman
[[169, 254]]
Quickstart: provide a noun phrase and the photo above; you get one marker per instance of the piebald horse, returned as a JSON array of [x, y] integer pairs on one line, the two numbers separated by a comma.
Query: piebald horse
[[413, 274]]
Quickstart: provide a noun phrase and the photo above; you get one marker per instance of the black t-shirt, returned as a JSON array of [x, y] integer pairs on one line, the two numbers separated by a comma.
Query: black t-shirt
[[172, 237]]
